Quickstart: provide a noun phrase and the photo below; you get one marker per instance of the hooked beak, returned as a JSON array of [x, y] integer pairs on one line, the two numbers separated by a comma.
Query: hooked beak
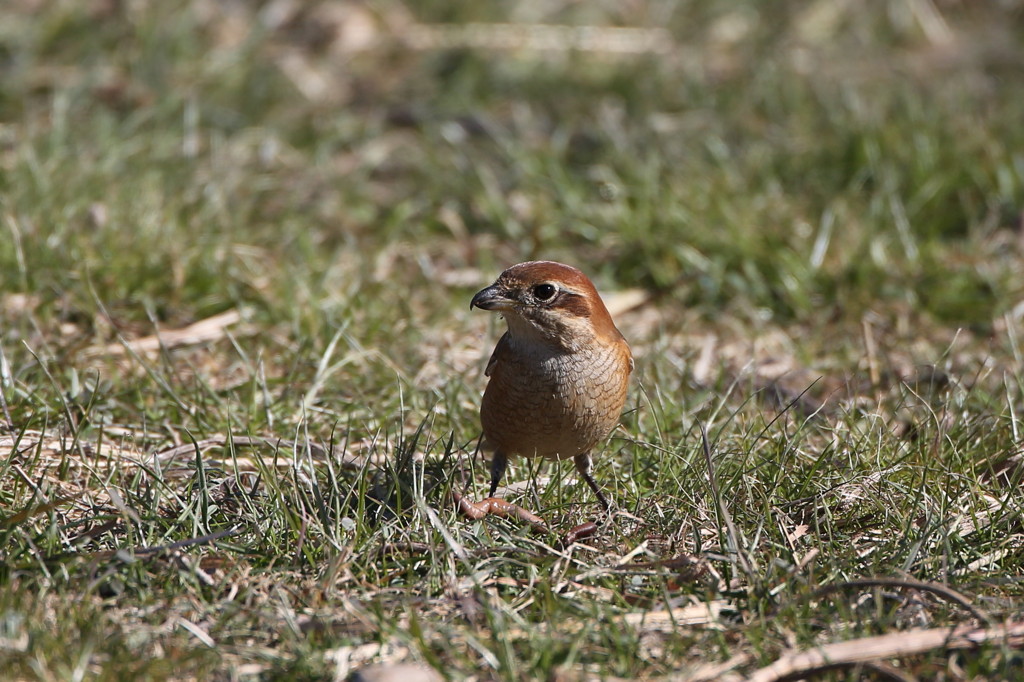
[[491, 298]]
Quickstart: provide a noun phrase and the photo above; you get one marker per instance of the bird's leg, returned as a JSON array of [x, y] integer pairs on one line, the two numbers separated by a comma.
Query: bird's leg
[[585, 530], [498, 464], [583, 466]]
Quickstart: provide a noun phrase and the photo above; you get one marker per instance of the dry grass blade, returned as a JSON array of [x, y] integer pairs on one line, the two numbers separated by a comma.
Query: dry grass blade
[[5, 380], [734, 535], [616, 40], [712, 672], [700, 614], [317, 450], [210, 329]]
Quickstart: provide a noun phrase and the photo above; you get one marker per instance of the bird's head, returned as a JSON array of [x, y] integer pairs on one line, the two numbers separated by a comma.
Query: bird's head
[[549, 302]]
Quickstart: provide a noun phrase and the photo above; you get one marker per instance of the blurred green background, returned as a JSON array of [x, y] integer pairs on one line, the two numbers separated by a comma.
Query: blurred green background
[[788, 159]]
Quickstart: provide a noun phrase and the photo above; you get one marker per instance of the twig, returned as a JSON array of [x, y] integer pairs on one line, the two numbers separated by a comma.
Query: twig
[[946, 593], [799, 664], [140, 552]]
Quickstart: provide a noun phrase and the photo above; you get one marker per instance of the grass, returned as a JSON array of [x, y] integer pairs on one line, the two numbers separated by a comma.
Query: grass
[[808, 220]]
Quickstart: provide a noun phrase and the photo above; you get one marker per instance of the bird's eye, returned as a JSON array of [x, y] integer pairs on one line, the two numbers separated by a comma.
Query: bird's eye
[[544, 292]]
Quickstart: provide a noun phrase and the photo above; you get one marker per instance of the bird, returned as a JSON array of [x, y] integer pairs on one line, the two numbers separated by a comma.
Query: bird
[[557, 378]]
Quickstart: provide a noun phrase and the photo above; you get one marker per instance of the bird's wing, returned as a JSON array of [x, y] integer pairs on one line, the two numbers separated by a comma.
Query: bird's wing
[[502, 348]]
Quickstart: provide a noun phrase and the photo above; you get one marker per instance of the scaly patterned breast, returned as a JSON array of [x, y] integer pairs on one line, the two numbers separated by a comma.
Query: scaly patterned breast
[[554, 405]]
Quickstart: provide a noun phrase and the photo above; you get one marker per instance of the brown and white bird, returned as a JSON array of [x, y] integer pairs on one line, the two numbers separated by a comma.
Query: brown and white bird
[[558, 376]]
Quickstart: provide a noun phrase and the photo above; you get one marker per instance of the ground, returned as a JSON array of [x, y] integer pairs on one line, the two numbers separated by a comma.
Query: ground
[[240, 376]]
